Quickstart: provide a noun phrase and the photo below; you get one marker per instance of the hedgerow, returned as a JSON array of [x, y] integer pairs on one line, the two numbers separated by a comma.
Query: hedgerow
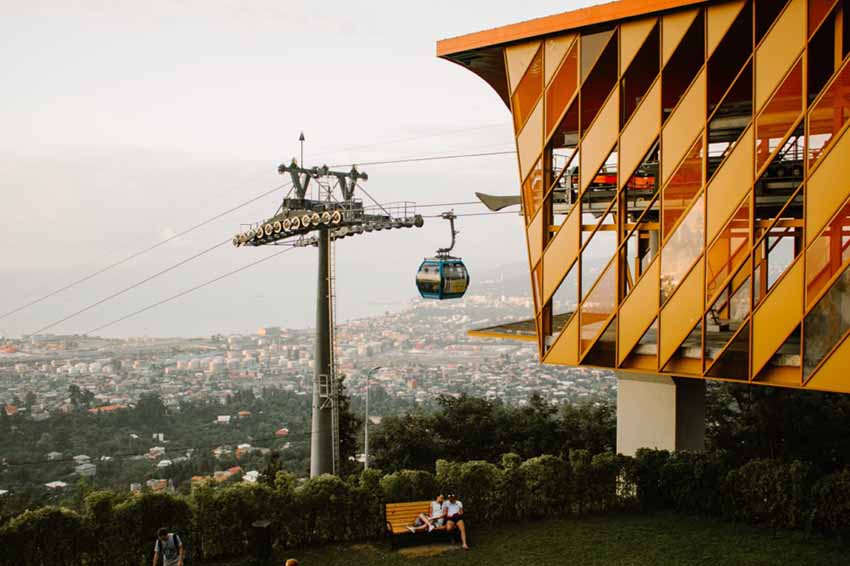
[[216, 521]]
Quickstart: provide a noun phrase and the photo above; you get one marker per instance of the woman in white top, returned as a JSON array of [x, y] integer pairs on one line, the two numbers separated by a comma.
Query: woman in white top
[[434, 519]]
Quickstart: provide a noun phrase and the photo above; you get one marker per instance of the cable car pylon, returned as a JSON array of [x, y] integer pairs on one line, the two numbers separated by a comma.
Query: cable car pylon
[[325, 208], [443, 276]]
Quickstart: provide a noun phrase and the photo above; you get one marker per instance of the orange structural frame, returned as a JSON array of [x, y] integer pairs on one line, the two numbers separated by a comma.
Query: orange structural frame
[[572, 20], [683, 171]]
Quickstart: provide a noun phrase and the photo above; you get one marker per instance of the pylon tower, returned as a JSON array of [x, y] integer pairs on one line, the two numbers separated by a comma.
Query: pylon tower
[[319, 220]]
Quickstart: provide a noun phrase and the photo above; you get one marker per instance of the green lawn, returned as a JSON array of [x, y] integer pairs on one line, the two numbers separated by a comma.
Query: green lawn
[[605, 540]]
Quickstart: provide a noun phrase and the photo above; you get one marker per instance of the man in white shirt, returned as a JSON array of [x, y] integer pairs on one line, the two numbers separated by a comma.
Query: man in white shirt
[[435, 518], [454, 517], [169, 547]]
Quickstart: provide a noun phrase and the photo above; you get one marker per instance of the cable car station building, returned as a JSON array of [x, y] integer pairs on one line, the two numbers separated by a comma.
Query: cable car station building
[[685, 185]]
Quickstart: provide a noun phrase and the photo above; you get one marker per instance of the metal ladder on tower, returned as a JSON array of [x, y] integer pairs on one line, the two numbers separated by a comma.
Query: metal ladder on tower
[[334, 382]]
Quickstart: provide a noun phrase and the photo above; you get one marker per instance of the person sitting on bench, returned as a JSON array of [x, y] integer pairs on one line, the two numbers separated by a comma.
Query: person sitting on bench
[[434, 520], [454, 518]]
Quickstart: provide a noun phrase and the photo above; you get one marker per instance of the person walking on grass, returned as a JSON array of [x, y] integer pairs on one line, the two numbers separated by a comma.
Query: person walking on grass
[[169, 546], [454, 518]]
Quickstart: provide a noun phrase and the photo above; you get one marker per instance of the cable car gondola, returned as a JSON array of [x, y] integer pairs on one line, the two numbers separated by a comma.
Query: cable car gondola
[[443, 276]]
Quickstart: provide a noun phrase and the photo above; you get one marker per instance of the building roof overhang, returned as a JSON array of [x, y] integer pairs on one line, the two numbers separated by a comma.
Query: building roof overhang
[[521, 330], [481, 52]]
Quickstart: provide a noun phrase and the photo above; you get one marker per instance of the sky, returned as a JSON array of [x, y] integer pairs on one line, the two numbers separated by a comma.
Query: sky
[[123, 123]]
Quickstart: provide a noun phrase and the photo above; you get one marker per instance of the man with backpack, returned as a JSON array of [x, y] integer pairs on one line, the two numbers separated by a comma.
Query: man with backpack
[[170, 547]]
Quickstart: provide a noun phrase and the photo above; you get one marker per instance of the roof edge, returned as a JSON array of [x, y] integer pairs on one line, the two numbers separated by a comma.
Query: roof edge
[[583, 17]]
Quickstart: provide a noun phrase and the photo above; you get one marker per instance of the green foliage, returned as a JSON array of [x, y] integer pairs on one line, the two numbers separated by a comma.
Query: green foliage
[[130, 431], [604, 474], [50, 535], [770, 492], [587, 426], [513, 490], [223, 516], [644, 472], [448, 474], [777, 423], [690, 480], [151, 408], [368, 504], [132, 529], [370, 479], [81, 399], [99, 513], [328, 509], [582, 476], [594, 480], [409, 485], [349, 426], [215, 521], [547, 481], [404, 442], [831, 503], [471, 428]]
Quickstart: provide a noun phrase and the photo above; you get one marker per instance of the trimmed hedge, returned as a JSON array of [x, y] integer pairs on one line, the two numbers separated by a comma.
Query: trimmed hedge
[[831, 504], [215, 521], [50, 535]]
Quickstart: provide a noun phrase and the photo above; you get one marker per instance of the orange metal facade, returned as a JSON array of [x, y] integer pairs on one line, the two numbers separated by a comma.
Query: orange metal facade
[[685, 183]]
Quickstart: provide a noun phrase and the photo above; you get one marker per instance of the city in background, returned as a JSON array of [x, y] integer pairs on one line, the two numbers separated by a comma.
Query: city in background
[[422, 349]]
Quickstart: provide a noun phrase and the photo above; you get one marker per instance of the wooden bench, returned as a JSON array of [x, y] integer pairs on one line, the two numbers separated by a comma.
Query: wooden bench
[[403, 515]]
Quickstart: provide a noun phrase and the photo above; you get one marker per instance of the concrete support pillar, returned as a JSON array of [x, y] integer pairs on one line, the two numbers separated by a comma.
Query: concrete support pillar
[[321, 443], [655, 411]]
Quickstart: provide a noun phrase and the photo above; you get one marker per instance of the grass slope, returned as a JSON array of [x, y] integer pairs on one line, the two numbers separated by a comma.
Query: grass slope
[[629, 540]]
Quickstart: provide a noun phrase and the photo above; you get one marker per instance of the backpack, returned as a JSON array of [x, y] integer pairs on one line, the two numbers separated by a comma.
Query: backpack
[[178, 542]]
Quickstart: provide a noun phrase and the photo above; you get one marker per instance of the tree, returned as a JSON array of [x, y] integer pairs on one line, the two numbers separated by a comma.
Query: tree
[[29, 401], [588, 426], [349, 427], [81, 399], [74, 395], [766, 422], [88, 398], [533, 428], [471, 428], [404, 442], [4, 419], [150, 409], [273, 465]]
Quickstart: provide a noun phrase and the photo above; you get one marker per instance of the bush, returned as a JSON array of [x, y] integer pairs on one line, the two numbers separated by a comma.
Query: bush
[[50, 535], [512, 490], [136, 521], [548, 484], [367, 512], [223, 517], [478, 488], [645, 474], [831, 503], [690, 481], [606, 470], [448, 475], [217, 520], [370, 479], [99, 509], [327, 509], [580, 466], [409, 485], [770, 492]]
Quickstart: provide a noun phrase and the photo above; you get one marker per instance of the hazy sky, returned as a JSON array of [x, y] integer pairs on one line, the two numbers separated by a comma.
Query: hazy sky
[[125, 122]]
